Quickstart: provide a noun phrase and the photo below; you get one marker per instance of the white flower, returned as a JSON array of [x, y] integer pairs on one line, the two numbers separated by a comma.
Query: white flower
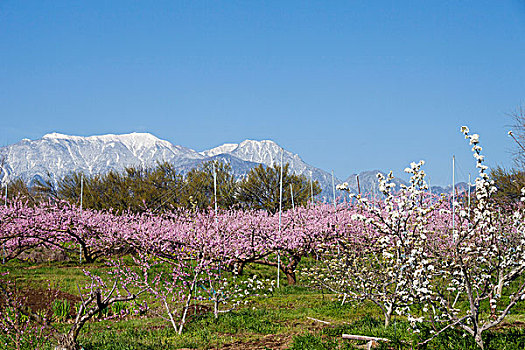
[[482, 167], [464, 129], [479, 157], [342, 187], [476, 148], [387, 255]]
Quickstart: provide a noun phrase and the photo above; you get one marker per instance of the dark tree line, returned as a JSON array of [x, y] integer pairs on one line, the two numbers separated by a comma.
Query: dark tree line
[[162, 188], [261, 188], [510, 181]]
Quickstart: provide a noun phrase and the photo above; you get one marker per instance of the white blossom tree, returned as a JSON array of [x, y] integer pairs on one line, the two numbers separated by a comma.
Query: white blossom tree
[[478, 280], [385, 258]]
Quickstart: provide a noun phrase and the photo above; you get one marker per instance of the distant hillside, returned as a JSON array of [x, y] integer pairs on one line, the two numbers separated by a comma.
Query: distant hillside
[[56, 155]]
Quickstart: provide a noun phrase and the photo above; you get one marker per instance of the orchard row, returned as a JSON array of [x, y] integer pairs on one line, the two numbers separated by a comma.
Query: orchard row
[[454, 263]]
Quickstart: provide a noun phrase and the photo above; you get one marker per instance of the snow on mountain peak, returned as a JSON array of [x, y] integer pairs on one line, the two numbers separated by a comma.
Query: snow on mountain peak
[[133, 141], [225, 148], [246, 146], [56, 135], [266, 152], [60, 154], [259, 143]]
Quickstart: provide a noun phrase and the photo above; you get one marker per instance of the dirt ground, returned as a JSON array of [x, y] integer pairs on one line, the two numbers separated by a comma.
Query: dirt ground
[[270, 341], [42, 299]]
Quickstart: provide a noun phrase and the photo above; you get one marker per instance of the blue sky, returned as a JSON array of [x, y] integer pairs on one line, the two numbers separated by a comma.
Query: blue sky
[[348, 85]]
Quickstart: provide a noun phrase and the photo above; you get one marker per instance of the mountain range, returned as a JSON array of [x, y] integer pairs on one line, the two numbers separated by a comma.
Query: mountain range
[[56, 155]]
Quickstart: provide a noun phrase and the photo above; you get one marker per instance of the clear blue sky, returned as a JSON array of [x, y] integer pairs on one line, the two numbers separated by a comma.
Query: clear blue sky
[[348, 85]]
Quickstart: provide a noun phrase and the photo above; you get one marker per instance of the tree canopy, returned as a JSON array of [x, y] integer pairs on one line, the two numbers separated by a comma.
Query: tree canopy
[[137, 189], [198, 189], [260, 189]]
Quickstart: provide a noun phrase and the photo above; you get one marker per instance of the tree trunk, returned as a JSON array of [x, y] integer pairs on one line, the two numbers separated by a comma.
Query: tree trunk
[[479, 340], [68, 341], [239, 269], [289, 270], [216, 308], [388, 316], [290, 277], [88, 259], [387, 320], [187, 304], [170, 314]]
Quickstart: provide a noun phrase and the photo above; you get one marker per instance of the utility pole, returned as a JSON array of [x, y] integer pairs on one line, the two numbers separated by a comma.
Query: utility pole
[[216, 209], [291, 193], [469, 195], [81, 203], [311, 187], [81, 191], [215, 190], [280, 213], [3, 247], [335, 207], [333, 189], [453, 194]]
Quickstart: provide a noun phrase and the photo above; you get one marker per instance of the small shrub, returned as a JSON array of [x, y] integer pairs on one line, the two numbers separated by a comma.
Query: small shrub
[[61, 309], [119, 308]]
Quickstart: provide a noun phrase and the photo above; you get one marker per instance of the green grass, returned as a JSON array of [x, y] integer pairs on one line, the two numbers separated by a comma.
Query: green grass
[[281, 317], [401, 338]]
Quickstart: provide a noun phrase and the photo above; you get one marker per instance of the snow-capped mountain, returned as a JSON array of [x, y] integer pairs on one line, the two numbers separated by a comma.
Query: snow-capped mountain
[[264, 152], [268, 153], [56, 155], [239, 167]]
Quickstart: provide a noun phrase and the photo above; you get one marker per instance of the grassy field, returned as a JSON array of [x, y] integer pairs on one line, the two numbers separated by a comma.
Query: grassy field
[[281, 321]]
